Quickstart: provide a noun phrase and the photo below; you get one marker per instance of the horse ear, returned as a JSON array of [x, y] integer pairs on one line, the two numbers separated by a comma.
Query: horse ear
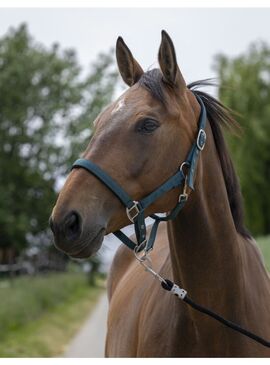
[[168, 63], [129, 68]]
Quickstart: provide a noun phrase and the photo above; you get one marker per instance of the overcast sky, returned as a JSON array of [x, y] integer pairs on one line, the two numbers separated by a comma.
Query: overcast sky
[[198, 34]]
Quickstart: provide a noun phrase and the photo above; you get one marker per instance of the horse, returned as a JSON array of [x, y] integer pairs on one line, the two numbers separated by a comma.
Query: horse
[[140, 140]]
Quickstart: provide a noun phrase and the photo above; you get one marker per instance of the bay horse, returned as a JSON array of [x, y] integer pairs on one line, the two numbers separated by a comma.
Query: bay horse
[[140, 140]]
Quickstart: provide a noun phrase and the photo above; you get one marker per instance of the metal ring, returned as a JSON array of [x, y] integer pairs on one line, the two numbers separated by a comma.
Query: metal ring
[[137, 251], [182, 165]]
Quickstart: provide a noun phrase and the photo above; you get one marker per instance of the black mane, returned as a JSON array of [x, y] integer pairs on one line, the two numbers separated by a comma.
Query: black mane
[[218, 116]]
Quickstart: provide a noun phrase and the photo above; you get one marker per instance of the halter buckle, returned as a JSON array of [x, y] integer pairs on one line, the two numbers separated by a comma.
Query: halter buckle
[[133, 211], [201, 139]]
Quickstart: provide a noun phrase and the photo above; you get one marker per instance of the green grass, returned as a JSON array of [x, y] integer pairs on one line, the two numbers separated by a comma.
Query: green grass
[[264, 244], [38, 316]]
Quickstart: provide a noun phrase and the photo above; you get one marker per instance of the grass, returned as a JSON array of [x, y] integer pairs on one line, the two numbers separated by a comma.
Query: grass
[[264, 244], [40, 315]]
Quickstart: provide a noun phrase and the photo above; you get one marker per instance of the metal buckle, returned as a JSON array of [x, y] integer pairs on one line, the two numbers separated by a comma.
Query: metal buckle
[[201, 139], [133, 212]]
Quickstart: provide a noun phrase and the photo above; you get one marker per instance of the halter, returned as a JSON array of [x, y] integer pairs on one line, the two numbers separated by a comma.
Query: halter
[[135, 209]]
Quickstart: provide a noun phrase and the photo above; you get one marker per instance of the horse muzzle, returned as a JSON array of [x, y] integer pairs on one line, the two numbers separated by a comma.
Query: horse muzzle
[[75, 237]]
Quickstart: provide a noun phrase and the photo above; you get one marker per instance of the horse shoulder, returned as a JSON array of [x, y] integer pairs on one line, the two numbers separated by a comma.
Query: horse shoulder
[[121, 261]]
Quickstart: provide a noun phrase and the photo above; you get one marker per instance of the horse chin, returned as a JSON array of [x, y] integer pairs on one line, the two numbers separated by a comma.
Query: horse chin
[[86, 247]]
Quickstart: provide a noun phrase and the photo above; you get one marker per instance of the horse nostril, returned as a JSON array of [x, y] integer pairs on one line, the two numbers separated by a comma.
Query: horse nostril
[[72, 226]]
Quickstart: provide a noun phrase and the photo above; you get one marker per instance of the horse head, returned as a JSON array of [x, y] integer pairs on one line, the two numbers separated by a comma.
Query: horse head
[[139, 140]]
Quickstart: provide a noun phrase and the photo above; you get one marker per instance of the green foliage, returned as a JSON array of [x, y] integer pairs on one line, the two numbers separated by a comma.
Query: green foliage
[[46, 110], [245, 88], [99, 88]]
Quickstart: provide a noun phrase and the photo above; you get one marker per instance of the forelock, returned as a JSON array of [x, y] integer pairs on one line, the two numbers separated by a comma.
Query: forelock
[[152, 82]]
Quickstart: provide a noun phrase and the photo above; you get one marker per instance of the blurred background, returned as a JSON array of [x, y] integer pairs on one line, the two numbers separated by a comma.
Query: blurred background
[[57, 72]]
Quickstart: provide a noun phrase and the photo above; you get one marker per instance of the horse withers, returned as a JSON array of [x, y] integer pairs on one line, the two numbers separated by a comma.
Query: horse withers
[[140, 141]]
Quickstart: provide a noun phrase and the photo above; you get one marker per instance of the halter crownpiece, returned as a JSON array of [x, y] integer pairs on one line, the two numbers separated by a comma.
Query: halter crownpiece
[[135, 209]]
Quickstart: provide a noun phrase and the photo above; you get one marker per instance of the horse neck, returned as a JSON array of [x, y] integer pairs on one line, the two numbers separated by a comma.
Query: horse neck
[[204, 244]]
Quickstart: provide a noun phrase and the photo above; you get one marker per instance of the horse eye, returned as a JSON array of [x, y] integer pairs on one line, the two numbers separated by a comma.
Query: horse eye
[[147, 126]]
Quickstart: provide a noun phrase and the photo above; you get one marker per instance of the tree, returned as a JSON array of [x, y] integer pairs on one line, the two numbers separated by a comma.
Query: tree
[[45, 105], [245, 88]]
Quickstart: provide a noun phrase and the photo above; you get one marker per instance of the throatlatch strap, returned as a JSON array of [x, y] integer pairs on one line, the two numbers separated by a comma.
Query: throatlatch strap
[[173, 182], [171, 216]]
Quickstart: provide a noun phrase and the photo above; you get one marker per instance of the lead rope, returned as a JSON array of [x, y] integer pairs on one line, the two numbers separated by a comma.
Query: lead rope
[[144, 259]]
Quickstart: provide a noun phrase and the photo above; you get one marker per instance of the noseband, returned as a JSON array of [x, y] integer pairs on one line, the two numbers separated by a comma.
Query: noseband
[[135, 209]]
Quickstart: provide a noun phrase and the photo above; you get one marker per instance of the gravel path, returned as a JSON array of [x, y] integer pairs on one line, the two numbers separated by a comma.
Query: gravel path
[[90, 340]]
